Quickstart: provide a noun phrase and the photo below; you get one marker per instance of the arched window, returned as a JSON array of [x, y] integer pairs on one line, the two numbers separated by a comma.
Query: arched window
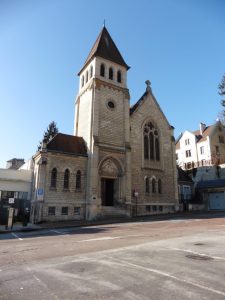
[[151, 146], [102, 70], [119, 76], [111, 73], [146, 147], [91, 71], [53, 177], [86, 76], [159, 186], [151, 142], [153, 185], [78, 180], [82, 81], [157, 149], [147, 185], [66, 179]]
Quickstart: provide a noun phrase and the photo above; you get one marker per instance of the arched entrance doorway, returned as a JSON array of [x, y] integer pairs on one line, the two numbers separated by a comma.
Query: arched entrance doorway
[[110, 174]]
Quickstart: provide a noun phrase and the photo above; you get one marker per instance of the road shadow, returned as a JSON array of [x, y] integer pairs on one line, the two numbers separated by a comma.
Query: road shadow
[[30, 233], [186, 215], [98, 227]]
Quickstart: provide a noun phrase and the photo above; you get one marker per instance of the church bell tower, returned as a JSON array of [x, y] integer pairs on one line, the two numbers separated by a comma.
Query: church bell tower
[[102, 118]]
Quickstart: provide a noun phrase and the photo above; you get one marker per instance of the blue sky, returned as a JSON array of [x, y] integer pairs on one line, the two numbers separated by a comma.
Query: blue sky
[[178, 45]]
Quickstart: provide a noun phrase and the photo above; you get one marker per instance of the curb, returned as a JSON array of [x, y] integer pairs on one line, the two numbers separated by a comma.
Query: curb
[[186, 215]]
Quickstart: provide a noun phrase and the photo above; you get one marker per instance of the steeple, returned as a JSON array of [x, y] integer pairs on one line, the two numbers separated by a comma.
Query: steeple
[[105, 47]]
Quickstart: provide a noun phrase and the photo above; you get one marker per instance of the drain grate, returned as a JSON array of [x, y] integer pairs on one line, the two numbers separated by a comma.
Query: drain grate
[[199, 257], [199, 244]]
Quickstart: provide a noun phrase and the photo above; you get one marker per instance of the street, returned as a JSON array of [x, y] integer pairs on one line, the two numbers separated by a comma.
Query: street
[[179, 258]]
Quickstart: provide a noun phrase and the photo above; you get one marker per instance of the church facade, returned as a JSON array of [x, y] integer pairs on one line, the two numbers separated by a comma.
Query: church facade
[[120, 160]]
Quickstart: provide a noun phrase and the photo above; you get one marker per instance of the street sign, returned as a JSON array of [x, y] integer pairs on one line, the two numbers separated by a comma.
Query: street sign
[[11, 200], [40, 194]]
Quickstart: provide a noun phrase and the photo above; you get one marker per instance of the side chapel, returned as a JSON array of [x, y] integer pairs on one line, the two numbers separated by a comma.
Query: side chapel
[[120, 161]]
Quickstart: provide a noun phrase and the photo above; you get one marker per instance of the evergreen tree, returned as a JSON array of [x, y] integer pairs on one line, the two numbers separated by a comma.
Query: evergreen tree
[[221, 92], [221, 88], [51, 131]]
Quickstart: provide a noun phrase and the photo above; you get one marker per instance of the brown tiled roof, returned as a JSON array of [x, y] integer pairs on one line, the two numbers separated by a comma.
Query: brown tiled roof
[[203, 137], [105, 47], [70, 144]]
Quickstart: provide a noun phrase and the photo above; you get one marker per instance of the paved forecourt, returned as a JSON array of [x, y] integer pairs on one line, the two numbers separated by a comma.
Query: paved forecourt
[[176, 259]]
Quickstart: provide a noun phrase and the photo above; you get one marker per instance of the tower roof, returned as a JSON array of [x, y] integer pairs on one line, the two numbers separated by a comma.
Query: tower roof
[[105, 47]]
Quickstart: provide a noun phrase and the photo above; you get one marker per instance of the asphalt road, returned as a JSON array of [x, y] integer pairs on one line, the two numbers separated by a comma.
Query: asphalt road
[[174, 259]]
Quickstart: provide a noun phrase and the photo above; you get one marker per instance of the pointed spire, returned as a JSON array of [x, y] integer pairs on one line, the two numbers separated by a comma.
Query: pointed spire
[[105, 47]]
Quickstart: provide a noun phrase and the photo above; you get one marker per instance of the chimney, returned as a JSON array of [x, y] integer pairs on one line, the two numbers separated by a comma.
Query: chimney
[[202, 128]]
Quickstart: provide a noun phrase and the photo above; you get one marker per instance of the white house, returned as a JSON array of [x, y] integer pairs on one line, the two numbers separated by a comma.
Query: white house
[[202, 154], [203, 147]]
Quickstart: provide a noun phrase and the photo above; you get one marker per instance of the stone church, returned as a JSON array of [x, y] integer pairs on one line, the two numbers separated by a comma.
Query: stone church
[[121, 159]]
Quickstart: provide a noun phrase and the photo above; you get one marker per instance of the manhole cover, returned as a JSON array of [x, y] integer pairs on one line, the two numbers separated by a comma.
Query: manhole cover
[[199, 257], [199, 244]]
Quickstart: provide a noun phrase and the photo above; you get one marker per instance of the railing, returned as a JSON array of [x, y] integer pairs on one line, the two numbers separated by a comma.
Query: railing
[[204, 163]]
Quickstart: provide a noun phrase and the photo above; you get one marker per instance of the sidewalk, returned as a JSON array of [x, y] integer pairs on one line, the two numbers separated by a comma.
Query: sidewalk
[[64, 224], [19, 227]]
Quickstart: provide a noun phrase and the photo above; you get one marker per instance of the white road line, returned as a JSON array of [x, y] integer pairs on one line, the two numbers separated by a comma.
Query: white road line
[[97, 239], [198, 253], [110, 238], [172, 277], [56, 231], [45, 286], [16, 236]]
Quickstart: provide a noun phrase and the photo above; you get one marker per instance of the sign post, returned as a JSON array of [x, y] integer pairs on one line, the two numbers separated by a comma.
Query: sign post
[[10, 217], [136, 194]]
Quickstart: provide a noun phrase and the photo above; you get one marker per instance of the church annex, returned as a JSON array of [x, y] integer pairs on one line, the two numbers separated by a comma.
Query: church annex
[[120, 160]]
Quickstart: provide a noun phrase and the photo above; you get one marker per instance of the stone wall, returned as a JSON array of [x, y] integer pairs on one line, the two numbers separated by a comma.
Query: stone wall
[[59, 197], [165, 170]]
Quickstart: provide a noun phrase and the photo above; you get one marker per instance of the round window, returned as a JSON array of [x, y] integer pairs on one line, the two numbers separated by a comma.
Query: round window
[[111, 104]]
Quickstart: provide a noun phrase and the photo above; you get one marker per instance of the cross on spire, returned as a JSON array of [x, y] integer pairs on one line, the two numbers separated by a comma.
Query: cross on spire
[[148, 83]]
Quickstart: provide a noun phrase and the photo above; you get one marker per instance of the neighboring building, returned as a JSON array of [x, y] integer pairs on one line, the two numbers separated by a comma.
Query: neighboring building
[[16, 181], [14, 163], [120, 161], [212, 193], [203, 147], [15, 191], [185, 188], [202, 154]]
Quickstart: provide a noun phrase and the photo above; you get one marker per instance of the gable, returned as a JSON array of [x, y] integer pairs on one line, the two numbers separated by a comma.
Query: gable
[[148, 107]]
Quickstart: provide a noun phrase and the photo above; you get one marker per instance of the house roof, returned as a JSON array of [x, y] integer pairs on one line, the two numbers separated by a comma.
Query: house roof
[[211, 183], [65, 143], [13, 159], [177, 145], [177, 142], [105, 47], [202, 137]]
